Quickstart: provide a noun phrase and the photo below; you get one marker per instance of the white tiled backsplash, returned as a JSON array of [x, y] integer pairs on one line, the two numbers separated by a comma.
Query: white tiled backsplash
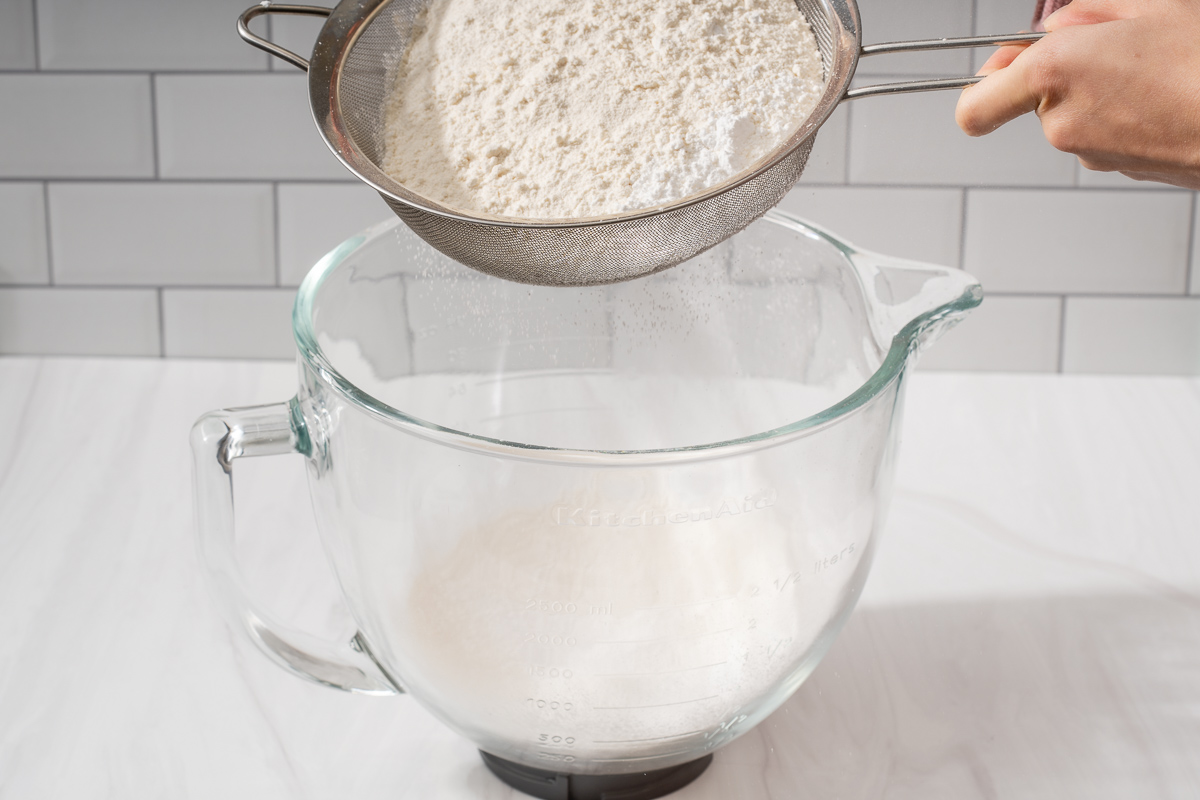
[[163, 190]]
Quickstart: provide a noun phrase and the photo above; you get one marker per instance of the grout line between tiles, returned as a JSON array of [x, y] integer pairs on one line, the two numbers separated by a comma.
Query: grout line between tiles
[[154, 125], [276, 233], [140, 356], [233, 181], [76, 72], [49, 238], [162, 325], [173, 287], [1062, 333], [37, 47], [846, 142], [1189, 284], [962, 233]]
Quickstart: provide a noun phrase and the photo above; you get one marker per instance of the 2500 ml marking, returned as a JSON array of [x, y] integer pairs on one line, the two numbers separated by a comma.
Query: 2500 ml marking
[[550, 606]]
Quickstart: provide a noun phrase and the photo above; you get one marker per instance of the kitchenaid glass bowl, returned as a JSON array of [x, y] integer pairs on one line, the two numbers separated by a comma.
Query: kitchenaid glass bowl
[[597, 531]]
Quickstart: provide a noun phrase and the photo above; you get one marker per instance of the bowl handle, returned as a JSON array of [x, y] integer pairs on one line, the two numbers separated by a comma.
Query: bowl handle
[[267, 7], [218, 439]]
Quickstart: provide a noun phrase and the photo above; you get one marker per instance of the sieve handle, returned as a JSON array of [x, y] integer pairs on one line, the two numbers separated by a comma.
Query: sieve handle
[[933, 44], [267, 7]]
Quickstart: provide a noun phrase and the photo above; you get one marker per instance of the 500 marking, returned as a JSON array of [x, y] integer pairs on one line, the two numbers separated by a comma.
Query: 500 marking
[[556, 741]]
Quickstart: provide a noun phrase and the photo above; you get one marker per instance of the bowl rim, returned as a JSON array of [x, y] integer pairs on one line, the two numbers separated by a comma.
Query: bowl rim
[[903, 346]]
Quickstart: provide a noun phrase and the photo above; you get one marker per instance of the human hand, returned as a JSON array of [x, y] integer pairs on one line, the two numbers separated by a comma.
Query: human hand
[[1115, 82]]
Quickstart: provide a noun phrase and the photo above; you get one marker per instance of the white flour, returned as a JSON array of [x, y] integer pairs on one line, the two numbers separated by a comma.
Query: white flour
[[560, 108]]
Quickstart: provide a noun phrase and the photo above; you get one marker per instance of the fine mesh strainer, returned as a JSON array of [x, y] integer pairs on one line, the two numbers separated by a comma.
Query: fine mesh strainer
[[349, 78]]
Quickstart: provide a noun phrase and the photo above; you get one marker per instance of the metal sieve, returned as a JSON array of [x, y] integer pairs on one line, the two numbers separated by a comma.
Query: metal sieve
[[349, 80]]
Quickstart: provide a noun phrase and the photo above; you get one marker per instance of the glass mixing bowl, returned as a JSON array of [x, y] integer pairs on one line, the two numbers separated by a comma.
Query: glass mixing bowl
[[598, 531]]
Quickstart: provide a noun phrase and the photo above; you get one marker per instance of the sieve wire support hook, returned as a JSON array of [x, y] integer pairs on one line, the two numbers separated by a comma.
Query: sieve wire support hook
[[267, 7], [932, 84]]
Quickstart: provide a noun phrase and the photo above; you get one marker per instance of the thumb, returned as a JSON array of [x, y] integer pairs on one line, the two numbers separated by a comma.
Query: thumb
[[1000, 97]]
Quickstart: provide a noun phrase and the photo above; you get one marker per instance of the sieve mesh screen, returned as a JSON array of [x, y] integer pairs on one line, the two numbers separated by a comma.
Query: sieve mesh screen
[[594, 251]]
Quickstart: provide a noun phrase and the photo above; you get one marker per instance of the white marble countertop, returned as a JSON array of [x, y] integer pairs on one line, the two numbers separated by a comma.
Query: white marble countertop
[[1031, 628]]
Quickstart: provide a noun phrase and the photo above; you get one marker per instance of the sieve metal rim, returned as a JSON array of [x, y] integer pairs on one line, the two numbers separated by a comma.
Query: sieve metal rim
[[350, 18], [578, 251]]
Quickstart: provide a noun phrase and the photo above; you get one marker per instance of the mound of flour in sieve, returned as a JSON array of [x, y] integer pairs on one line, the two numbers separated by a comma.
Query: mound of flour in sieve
[[544, 109]]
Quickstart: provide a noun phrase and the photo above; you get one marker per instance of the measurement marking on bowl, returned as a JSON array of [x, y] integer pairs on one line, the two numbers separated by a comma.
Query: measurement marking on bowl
[[688, 605], [664, 672], [665, 638], [539, 374], [653, 739], [513, 414], [646, 758], [656, 705]]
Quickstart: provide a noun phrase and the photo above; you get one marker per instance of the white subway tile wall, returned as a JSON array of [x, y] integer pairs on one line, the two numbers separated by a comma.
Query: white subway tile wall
[[913, 139], [1141, 335], [1194, 275], [888, 20], [87, 322], [999, 16], [1114, 180], [142, 35], [162, 234], [228, 323], [295, 32], [1008, 333], [16, 35], [314, 217], [827, 162], [921, 224], [24, 257], [163, 189], [239, 127], [1071, 241], [76, 126]]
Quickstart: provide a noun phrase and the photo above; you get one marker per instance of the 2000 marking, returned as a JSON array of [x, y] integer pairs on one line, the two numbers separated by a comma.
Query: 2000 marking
[[542, 638]]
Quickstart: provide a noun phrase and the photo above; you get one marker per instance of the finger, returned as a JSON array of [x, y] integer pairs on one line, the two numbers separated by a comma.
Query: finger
[[1001, 58], [1000, 97]]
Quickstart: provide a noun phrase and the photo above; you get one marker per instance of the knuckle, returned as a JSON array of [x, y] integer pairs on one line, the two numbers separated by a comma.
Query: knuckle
[[1060, 134], [1045, 73]]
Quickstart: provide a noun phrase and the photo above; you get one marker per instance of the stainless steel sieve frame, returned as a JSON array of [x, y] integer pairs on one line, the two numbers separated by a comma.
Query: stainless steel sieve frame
[[347, 80]]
